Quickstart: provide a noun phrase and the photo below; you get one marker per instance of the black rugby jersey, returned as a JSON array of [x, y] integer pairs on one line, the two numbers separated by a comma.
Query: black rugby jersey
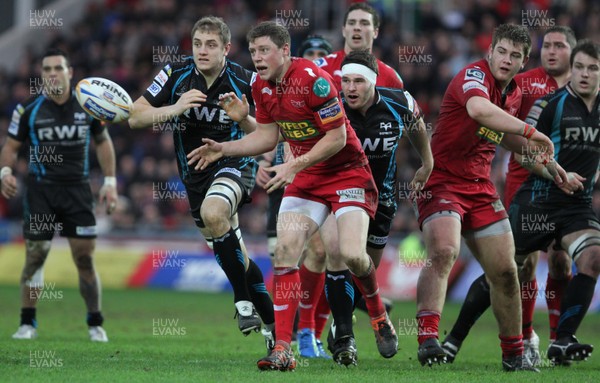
[[575, 132], [379, 132], [59, 138], [207, 121]]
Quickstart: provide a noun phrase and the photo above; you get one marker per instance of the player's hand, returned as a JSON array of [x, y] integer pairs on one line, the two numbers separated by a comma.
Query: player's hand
[[193, 98], [208, 153], [574, 183], [109, 196], [558, 174], [263, 176], [420, 179], [542, 146], [235, 108], [284, 175], [9, 186]]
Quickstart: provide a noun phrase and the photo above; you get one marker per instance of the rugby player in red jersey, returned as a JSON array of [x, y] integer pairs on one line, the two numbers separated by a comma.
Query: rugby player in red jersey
[[329, 172], [463, 199], [558, 41], [361, 27]]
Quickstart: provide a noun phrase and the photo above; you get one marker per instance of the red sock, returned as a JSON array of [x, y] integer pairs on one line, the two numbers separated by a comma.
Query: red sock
[[321, 315], [554, 293], [368, 287], [286, 294], [312, 286], [428, 323], [511, 345], [528, 295]]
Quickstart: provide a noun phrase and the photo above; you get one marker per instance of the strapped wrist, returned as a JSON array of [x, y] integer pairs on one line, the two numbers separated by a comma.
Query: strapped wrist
[[110, 181], [5, 172], [528, 131]]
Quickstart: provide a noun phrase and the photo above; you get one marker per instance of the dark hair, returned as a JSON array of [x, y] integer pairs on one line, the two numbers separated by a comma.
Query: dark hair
[[363, 7], [314, 42], [362, 57], [213, 24], [278, 33], [56, 52], [516, 33], [588, 47], [568, 32]]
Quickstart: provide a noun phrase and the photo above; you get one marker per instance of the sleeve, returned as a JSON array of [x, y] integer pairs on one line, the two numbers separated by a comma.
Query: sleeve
[[323, 99], [97, 127], [248, 90], [390, 78], [159, 91], [470, 83], [18, 124], [541, 116], [262, 115], [413, 110]]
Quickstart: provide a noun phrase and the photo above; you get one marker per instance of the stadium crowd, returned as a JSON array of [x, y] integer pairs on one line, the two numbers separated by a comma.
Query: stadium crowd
[[128, 41]]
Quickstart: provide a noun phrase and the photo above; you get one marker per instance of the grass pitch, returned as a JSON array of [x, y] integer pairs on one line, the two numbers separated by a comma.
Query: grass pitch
[[166, 336]]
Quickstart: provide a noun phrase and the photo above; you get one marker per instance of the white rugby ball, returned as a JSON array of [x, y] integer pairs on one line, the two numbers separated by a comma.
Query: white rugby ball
[[103, 99]]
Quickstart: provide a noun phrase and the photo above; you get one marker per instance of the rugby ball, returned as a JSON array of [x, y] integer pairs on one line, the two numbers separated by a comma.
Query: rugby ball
[[103, 99]]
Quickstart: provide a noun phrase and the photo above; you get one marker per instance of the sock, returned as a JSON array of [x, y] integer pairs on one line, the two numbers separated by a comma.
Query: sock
[[528, 297], [511, 345], [359, 302], [95, 319], [428, 323], [575, 304], [286, 282], [229, 256], [259, 294], [554, 293], [321, 315], [340, 296], [312, 286], [28, 316], [367, 284], [475, 304]]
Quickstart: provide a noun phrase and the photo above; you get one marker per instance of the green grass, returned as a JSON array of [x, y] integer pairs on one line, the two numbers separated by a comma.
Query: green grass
[[205, 345]]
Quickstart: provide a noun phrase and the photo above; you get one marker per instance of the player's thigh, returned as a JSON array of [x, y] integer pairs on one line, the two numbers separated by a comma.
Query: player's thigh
[[584, 247], [493, 247], [441, 234], [222, 199], [352, 227], [82, 247], [297, 221]]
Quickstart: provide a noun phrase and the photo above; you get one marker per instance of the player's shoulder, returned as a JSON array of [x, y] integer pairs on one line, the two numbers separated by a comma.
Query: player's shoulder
[[329, 59], [478, 71], [240, 73], [397, 99], [537, 74], [29, 103], [178, 68]]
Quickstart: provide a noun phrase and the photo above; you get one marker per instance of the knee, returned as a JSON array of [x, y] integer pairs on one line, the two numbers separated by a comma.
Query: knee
[[560, 265], [286, 254], [83, 262], [527, 271], [442, 257], [590, 262], [216, 221]]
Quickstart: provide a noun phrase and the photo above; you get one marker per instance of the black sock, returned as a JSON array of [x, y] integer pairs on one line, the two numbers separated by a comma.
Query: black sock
[[475, 304], [28, 316], [575, 303], [231, 259], [258, 291], [340, 292], [95, 319]]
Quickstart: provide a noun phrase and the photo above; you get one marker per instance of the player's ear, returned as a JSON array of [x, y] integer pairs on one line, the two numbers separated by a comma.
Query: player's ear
[[227, 48], [286, 49], [70, 72], [375, 33]]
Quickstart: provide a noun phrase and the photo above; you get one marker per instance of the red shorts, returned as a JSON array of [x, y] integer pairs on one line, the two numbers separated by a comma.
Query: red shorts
[[477, 202], [351, 187], [514, 180]]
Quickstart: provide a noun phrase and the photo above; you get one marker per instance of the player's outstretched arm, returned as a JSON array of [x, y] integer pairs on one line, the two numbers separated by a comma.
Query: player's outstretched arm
[[262, 140], [105, 152], [417, 134], [145, 115], [8, 157], [550, 171]]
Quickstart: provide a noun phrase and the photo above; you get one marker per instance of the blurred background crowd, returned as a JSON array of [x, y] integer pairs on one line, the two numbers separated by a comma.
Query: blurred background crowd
[[128, 41]]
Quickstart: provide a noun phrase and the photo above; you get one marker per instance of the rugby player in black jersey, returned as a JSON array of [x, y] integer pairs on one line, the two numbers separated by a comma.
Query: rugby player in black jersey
[[57, 195], [187, 95], [379, 116], [541, 212]]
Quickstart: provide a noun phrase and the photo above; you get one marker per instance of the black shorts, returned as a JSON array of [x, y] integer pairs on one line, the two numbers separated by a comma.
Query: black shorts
[[237, 169], [50, 208], [275, 198], [535, 228], [379, 228]]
